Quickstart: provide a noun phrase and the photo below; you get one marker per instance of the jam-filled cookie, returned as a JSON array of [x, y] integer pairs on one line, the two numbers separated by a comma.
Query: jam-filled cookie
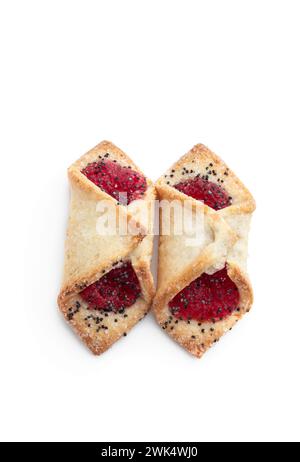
[[107, 285], [203, 287]]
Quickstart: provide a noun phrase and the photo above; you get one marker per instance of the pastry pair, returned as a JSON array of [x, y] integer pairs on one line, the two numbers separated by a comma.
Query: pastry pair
[[203, 288]]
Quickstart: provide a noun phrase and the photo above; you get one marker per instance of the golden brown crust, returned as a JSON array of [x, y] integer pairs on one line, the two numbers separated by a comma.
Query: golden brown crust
[[89, 255], [224, 242], [197, 160], [97, 329]]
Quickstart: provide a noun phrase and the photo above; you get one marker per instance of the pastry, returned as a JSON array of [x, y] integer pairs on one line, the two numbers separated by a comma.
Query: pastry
[[203, 287], [107, 284]]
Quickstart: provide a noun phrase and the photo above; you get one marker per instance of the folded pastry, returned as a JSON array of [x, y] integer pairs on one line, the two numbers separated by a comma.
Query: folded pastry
[[203, 288], [107, 285]]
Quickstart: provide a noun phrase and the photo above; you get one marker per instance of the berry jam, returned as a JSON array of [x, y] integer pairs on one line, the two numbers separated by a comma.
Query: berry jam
[[206, 191], [115, 291], [122, 183], [208, 298]]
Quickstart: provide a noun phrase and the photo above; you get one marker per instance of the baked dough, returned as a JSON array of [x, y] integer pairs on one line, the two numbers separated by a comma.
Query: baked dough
[[223, 241], [90, 255]]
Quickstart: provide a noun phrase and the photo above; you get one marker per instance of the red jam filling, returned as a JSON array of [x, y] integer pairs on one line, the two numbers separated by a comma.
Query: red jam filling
[[115, 291], [208, 298], [206, 191], [122, 183]]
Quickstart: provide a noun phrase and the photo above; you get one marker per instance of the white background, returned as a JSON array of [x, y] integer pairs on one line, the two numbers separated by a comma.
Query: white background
[[154, 77]]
